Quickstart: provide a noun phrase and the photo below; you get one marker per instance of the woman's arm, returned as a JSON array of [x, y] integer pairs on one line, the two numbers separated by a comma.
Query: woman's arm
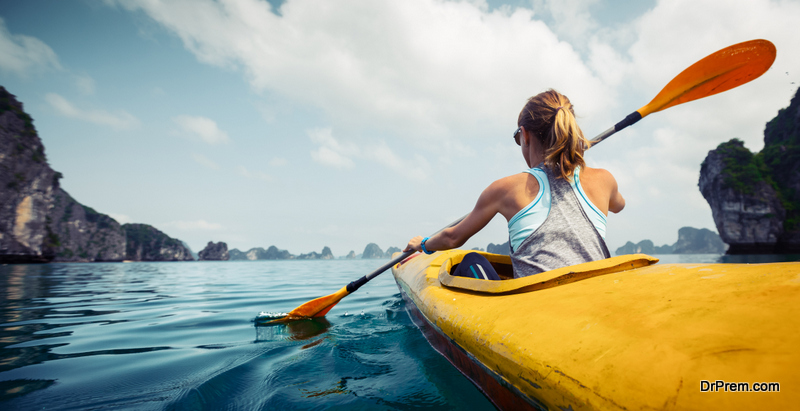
[[615, 203], [453, 237]]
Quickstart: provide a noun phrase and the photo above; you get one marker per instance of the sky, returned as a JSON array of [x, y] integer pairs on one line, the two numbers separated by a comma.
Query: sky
[[312, 123]]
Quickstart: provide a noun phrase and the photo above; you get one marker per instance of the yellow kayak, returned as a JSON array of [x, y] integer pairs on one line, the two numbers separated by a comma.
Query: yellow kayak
[[620, 333]]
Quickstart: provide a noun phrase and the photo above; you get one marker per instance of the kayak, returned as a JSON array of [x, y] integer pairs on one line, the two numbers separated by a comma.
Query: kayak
[[619, 333]]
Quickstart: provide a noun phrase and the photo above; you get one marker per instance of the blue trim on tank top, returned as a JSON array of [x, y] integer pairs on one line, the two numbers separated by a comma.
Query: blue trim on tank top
[[539, 195], [576, 179]]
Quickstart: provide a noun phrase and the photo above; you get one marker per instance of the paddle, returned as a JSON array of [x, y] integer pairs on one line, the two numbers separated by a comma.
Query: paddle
[[718, 72], [320, 306]]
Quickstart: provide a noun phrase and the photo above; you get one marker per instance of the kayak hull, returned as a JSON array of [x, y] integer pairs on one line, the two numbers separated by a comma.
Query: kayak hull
[[635, 337]]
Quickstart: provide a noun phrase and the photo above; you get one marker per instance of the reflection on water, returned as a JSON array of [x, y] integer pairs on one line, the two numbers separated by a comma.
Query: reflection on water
[[180, 336], [299, 330]]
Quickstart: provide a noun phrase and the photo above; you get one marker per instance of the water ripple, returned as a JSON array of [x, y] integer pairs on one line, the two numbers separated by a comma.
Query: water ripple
[[183, 336]]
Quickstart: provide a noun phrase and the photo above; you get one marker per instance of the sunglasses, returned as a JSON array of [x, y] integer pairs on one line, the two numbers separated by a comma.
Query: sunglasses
[[516, 135]]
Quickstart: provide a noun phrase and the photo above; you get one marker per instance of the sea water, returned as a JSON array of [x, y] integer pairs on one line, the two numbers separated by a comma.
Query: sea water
[[185, 336]]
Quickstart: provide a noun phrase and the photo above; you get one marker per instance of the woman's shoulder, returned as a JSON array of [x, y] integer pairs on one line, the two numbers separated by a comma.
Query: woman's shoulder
[[511, 184], [597, 177]]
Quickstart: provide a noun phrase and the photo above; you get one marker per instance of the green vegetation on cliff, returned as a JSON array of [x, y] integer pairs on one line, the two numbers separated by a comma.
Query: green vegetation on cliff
[[778, 163], [781, 155], [743, 169], [138, 234]]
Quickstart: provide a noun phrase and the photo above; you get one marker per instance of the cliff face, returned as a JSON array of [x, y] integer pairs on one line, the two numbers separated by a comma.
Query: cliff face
[[146, 243], [781, 155], [39, 221], [390, 251], [755, 198], [325, 255], [746, 208], [214, 252], [259, 253], [503, 249], [644, 247], [26, 185], [78, 233], [694, 241]]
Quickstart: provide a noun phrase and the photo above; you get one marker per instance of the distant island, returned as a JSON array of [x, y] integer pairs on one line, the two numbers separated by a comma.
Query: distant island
[[755, 198], [690, 241], [371, 251]]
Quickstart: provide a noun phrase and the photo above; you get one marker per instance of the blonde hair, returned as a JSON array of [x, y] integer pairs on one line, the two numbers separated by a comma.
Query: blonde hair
[[550, 117]]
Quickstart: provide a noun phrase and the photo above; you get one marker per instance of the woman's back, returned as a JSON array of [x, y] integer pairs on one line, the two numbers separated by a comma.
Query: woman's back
[[566, 236]]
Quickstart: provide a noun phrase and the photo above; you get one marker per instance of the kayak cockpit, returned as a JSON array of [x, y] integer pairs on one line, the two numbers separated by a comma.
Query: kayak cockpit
[[548, 279]]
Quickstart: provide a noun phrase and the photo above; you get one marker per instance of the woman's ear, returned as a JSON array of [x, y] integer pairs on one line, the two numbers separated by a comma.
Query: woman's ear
[[525, 139]]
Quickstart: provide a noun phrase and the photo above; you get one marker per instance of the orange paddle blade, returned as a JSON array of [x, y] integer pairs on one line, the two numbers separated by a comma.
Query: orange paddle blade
[[315, 308], [718, 72]]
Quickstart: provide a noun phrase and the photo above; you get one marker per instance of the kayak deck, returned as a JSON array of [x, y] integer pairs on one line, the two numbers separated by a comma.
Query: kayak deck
[[637, 338]]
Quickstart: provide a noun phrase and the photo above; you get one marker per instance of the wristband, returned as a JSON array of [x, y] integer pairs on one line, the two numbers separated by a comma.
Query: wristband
[[422, 245]]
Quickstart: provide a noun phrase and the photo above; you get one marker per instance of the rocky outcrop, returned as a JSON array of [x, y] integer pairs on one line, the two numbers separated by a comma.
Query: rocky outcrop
[[702, 241], [351, 255], [643, 247], [755, 198], [690, 241], [325, 255], [781, 155], [745, 206], [390, 251], [503, 249], [146, 243], [76, 233], [372, 251], [235, 254], [40, 222], [214, 252], [259, 253], [27, 184]]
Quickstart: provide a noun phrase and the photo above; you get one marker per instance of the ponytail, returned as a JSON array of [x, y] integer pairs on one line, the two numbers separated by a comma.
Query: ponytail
[[550, 116]]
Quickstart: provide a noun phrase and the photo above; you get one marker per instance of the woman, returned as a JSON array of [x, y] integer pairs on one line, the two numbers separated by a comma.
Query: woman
[[556, 210]]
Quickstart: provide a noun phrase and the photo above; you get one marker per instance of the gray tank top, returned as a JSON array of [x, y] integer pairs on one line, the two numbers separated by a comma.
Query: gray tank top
[[567, 236]]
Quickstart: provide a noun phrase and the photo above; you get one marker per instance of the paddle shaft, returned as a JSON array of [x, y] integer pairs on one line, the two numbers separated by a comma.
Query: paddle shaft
[[355, 285], [631, 119]]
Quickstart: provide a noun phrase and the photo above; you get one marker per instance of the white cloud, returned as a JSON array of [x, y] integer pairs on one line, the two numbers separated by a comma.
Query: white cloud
[[198, 225], [425, 70], [203, 128], [85, 84], [119, 120], [205, 161], [572, 19], [333, 153], [20, 53]]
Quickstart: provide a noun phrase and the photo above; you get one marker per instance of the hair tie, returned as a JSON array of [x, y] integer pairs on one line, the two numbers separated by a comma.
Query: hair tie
[[559, 108]]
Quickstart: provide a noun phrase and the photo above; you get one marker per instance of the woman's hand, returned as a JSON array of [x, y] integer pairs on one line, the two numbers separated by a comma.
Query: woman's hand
[[414, 244]]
